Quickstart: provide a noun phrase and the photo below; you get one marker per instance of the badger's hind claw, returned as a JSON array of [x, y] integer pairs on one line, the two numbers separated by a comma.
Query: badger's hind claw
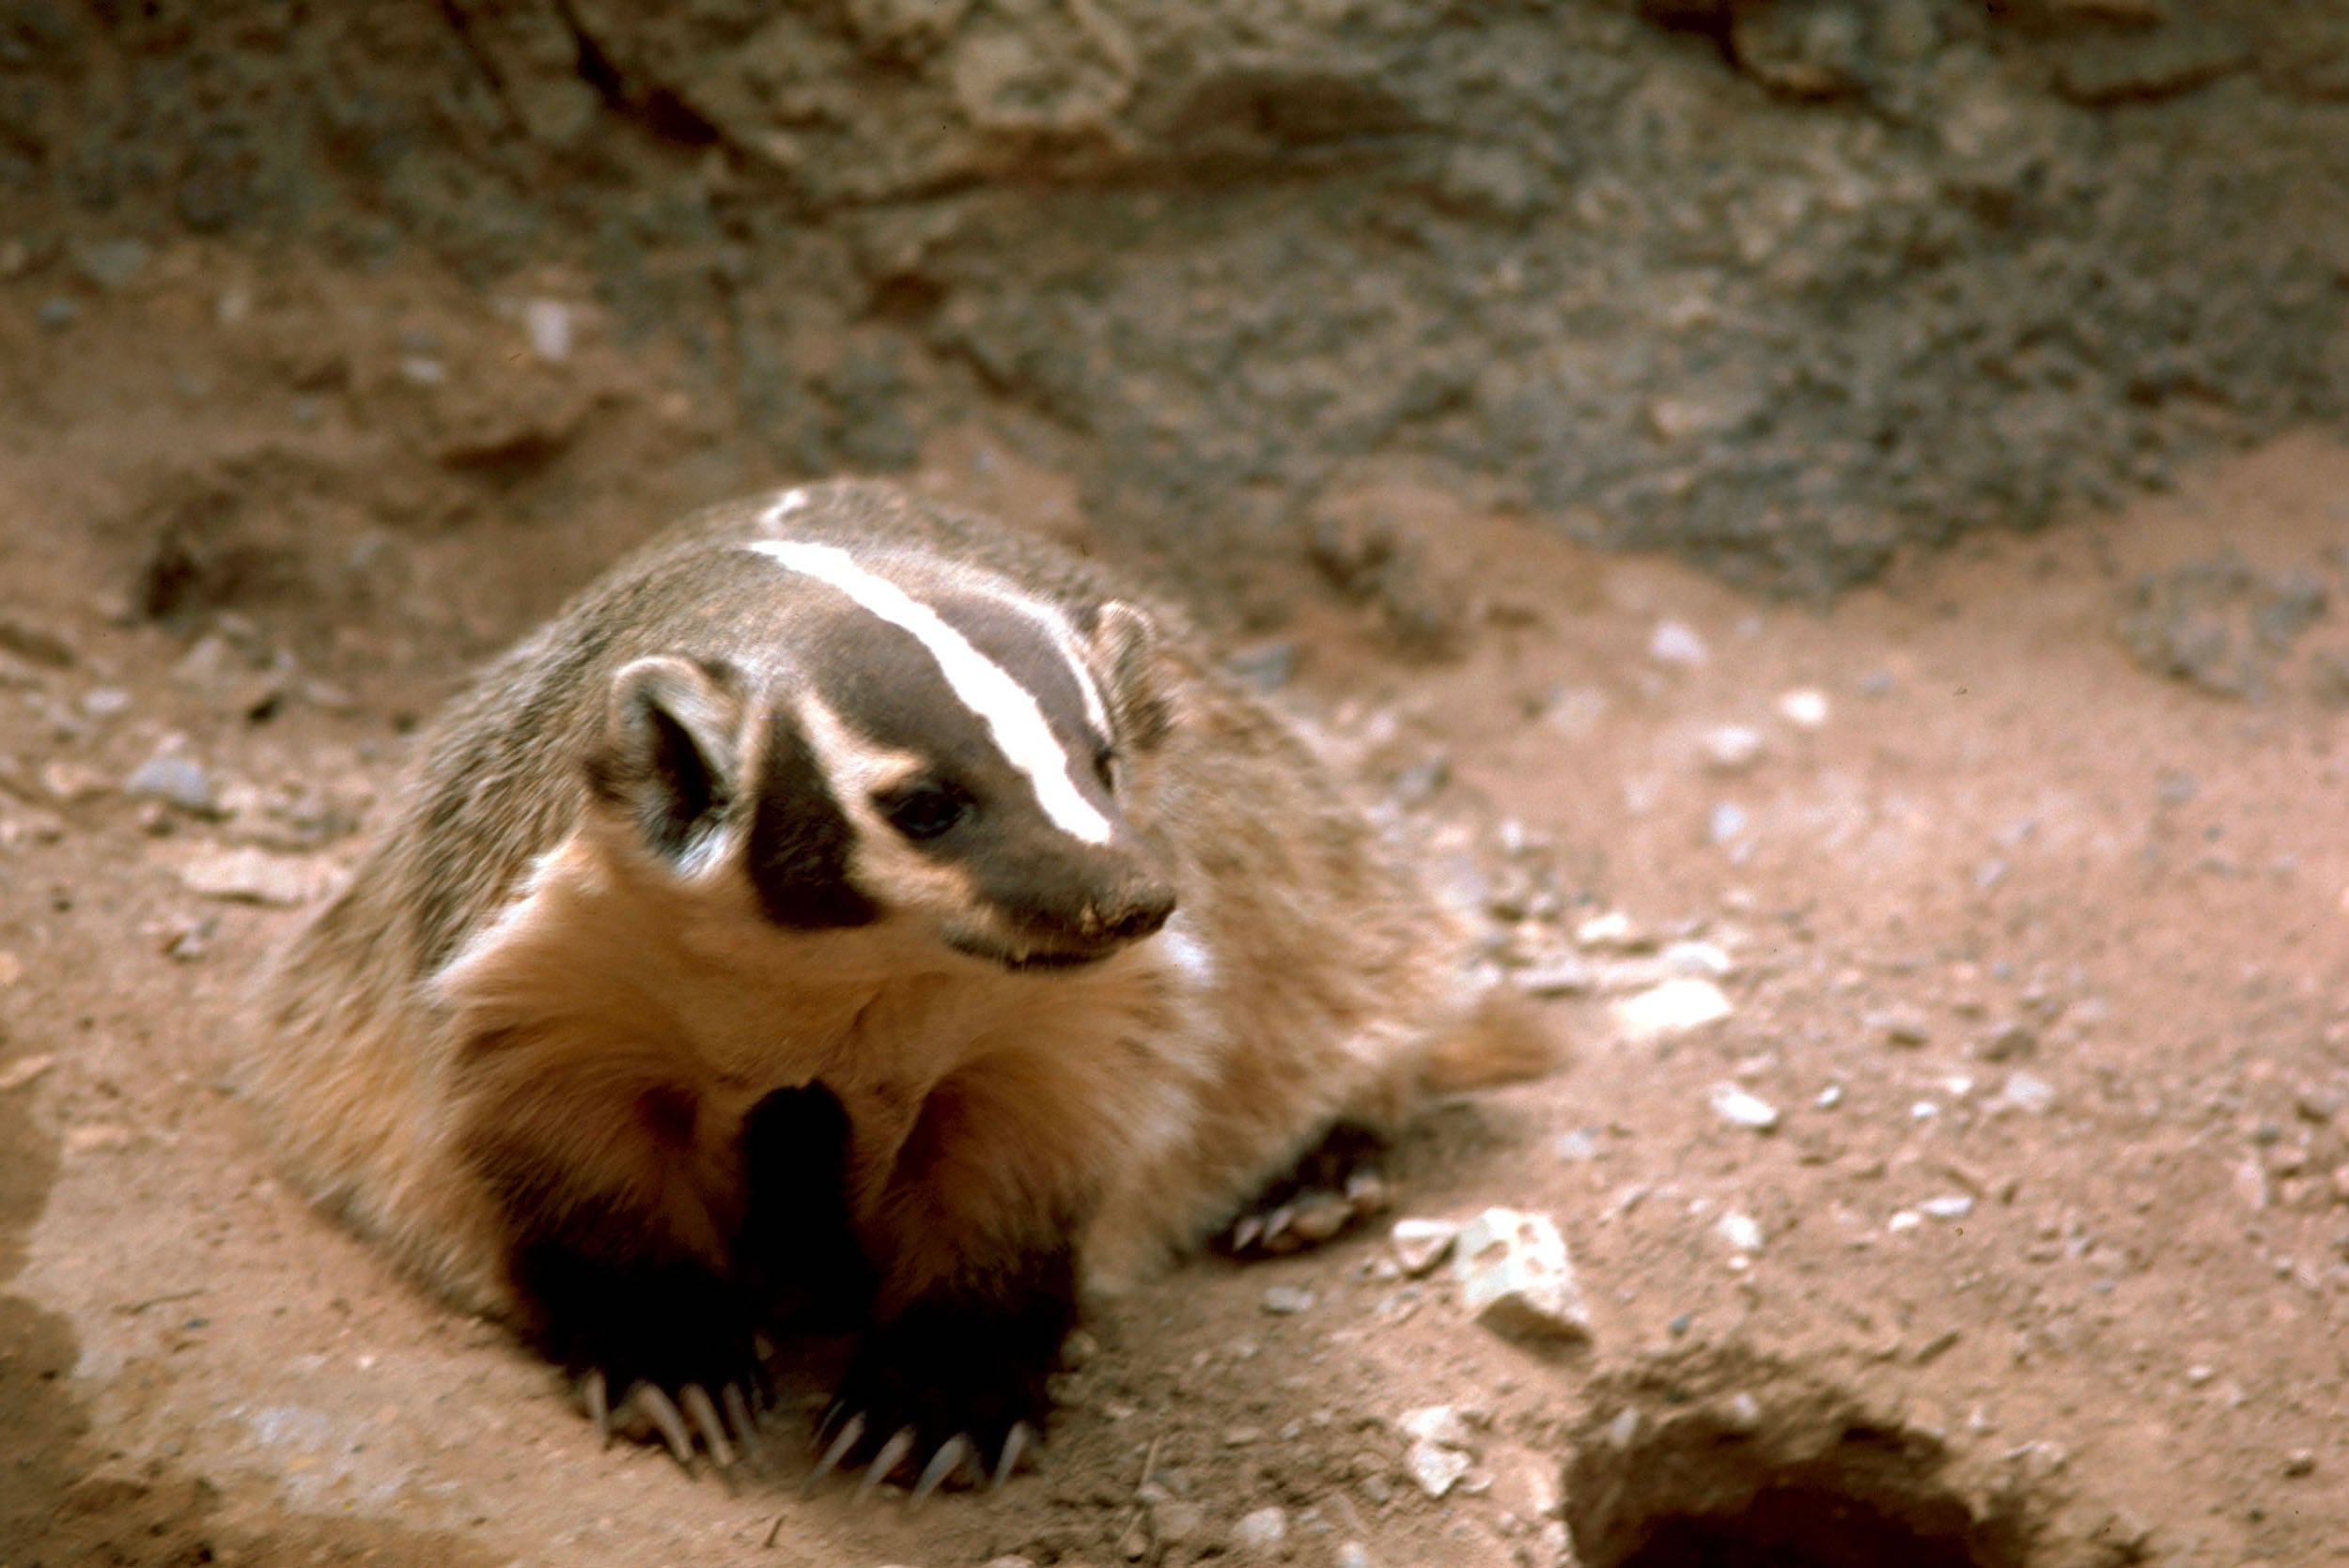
[[1336, 1185], [597, 1390]]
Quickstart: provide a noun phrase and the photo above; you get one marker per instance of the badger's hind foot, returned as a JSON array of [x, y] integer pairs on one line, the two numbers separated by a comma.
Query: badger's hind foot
[[1340, 1182]]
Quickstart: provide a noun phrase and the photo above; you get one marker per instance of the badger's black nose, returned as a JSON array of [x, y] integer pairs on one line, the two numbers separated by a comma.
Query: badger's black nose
[[1140, 913]]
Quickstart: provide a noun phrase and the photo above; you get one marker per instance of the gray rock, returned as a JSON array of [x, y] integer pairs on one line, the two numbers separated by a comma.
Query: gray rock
[[113, 264], [1287, 1300], [175, 780]]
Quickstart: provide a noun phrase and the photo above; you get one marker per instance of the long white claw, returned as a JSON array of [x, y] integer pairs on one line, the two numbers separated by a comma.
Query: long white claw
[[705, 1417], [745, 1426], [893, 1454], [1245, 1231], [943, 1466], [663, 1412], [828, 1424], [850, 1435], [598, 1393], [1015, 1442]]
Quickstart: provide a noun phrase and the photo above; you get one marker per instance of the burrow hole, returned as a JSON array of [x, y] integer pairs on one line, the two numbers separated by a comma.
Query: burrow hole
[[1735, 1484]]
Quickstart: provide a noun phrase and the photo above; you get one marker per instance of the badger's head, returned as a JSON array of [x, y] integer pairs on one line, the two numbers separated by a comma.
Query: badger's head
[[916, 749]]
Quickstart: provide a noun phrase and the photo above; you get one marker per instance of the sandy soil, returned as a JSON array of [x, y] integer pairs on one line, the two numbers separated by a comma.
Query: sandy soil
[[2041, 957]]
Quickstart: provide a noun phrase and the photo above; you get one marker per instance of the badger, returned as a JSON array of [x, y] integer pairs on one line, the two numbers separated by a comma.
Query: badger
[[852, 915]]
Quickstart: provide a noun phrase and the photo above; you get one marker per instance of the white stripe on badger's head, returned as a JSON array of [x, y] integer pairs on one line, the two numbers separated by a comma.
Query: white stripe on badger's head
[[1014, 719]]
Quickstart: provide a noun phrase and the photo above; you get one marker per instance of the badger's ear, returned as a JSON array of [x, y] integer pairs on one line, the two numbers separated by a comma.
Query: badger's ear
[[669, 755], [1125, 650]]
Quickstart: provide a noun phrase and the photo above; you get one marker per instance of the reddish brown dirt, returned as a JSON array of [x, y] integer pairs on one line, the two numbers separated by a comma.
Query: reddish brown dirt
[[2066, 940]]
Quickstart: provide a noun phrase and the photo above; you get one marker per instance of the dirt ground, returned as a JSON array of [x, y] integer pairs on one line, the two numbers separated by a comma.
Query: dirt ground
[[2024, 877]]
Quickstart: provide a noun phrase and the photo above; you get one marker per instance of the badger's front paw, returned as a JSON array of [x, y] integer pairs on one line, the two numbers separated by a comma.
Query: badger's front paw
[[657, 1353], [956, 1386]]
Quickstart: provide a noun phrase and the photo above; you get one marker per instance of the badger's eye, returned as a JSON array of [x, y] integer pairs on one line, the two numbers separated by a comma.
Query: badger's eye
[[924, 811], [1105, 767]]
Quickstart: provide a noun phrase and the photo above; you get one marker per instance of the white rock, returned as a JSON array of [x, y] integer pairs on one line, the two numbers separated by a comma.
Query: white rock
[[1674, 1007], [2024, 1092], [1613, 931], [1287, 1300], [1705, 960], [255, 877], [1741, 1231], [1957, 1205], [1733, 748], [1352, 1554], [1260, 1532], [1439, 1424], [1675, 643], [1740, 1108], [1565, 975], [549, 324], [1805, 707], [1906, 1219], [1436, 1468], [1516, 1277], [1420, 1245]]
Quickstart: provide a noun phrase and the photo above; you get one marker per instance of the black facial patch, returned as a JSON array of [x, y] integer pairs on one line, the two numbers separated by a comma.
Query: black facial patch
[[800, 840]]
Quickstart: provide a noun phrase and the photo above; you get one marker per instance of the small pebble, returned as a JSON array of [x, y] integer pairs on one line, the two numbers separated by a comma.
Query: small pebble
[[1956, 1206], [175, 780], [1352, 1554], [1674, 1007], [1439, 1424], [1704, 960], [1420, 1245], [1564, 975], [1733, 748], [1725, 822], [1613, 931], [1287, 1300], [1261, 1530], [549, 324], [2027, 1092], [1740, 1108], [1172, 1520], [2298, 1463], [1581, 1145], [1436, 1468], [1829, 1097], [1902, 1026], [1906, 1219], [1741, 1231], [1805, 707], [1673, 643]]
